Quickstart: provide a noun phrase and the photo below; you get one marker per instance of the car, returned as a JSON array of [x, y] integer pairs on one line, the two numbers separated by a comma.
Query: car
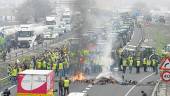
[[77, 94]]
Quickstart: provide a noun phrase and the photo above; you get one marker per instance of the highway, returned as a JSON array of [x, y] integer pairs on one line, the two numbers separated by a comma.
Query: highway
[[95, 23], [123, 90]]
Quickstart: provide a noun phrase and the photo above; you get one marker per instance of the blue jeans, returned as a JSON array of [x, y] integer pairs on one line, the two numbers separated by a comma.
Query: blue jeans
[[13, 80], [61, 73]]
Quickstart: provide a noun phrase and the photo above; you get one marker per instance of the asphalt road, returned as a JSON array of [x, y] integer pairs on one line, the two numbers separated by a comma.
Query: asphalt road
[[137, 37], [124, 90]]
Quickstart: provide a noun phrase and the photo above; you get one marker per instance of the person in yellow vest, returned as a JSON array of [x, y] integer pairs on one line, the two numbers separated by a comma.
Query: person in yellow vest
[[148, 65], [14, 75], [130, 64], [38, 64], [54, 67], [154, 65], [31, 65], [49, 66], [61, 69], [138, 63], [66, 66], [124, 65], [43, 65], [66, 86], [145, 64]]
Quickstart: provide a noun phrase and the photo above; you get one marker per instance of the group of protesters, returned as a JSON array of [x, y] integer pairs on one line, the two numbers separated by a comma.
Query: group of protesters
[[55, 59]]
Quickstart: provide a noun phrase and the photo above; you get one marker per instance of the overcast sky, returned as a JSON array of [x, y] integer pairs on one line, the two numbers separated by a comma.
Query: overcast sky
[[108, 3], [122, 3]]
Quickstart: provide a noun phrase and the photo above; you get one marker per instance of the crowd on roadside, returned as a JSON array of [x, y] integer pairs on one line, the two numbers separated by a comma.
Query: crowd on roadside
[[131, 62], [56, 59]]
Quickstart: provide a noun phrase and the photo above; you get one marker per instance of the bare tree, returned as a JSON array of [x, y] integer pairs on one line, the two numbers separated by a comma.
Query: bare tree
[[33, 9]]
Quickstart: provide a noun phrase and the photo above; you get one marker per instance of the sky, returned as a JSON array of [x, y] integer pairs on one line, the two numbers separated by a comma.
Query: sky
[[103, 3], [123, 3]]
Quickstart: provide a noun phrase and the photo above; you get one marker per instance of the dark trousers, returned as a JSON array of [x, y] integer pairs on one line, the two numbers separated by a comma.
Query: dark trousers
[[153, 68], [124, 69], [60, 91], [66, 91], [137, 69], [145, 67]]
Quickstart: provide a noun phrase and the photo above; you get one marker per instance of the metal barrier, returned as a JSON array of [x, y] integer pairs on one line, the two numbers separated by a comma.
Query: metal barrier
[[5, 82], [156, 89]]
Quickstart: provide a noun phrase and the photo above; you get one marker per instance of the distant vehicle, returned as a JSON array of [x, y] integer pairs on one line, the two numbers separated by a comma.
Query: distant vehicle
[[51, 20], [26, 37], [51, 33], [166, 50], [66, 19], [77, 94]]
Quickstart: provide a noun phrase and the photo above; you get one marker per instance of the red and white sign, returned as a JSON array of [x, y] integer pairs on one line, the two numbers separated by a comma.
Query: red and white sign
[[166, 76], [165, 64], [35, 81]]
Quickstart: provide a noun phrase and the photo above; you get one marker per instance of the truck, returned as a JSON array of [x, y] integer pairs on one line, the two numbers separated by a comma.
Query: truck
[[50, 20], [35, 83], [26, 37], [66, 19], [51, 33]]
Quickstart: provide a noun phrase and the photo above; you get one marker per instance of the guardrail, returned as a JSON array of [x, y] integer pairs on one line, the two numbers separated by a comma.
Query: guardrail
[[156, 89]]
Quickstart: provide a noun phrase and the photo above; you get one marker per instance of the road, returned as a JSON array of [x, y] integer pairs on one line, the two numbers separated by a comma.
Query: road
[[123, 90]]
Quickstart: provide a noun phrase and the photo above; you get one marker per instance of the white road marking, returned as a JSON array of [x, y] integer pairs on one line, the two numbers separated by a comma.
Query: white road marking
[[90, 85], [8, 88], [87, 88], [84, 91], [12, 87], [138, 82]]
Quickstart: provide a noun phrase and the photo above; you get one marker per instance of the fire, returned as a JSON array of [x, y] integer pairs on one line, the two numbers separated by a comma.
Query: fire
[[79, 76]]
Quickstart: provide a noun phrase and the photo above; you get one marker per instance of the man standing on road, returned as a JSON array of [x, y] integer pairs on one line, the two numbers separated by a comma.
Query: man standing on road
[[130, 64], [66, 86], [143, 93], [61, 84], [138, 66], [145, 64], [124, 65]]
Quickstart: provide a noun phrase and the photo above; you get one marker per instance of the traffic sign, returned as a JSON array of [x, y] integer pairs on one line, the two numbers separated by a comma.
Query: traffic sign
[[166, 76], [165, 64]]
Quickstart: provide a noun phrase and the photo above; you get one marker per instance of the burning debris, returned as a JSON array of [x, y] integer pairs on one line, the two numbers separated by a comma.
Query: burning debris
[[78, 76]]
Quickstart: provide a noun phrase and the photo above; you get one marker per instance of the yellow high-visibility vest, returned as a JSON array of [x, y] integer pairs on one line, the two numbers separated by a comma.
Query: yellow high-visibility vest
[[54, 66], [38, 64], [144, 61], [131, 62], [124, 62], [44, 64], [60, 66], [153, 62], [48, 66], [14, 72], [138, 63], [148, 62], [66, 83]]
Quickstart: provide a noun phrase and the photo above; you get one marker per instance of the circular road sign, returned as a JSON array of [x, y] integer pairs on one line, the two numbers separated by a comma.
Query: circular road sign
[[166, 76]]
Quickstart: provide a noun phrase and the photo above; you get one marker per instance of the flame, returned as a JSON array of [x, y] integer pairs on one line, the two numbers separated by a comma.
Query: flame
[[78, 77]]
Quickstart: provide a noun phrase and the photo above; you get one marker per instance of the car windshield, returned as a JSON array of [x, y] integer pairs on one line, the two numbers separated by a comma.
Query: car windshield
[[24, 33]]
